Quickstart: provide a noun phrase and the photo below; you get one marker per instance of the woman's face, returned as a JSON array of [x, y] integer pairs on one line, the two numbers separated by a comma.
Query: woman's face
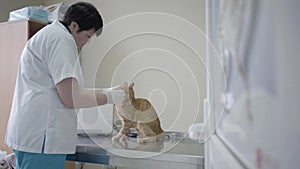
[[81, 37]]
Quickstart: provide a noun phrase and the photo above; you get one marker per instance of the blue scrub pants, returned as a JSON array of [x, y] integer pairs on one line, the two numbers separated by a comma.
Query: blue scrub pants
[[25, 160]]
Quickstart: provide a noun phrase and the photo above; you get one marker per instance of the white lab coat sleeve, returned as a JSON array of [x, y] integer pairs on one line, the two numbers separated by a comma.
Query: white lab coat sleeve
[[62, 59]]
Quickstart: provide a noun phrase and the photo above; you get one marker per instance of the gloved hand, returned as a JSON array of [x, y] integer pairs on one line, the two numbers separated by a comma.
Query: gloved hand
[[115, 96]]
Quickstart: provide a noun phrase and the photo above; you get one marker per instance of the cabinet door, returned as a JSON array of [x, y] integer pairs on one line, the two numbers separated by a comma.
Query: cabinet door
[[14, 36]]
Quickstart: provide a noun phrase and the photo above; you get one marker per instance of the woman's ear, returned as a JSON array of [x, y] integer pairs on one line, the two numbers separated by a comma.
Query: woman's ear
[[74, 27]]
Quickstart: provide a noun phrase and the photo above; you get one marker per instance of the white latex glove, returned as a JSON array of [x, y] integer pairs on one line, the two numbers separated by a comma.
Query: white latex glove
[[115, 96]]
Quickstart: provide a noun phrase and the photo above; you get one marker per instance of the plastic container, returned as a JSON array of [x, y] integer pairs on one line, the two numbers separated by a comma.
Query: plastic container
[[56, 11], [32, 12], [195, 131]]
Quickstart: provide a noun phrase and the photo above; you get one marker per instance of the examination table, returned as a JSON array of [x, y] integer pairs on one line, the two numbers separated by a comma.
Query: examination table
[[176, 151]]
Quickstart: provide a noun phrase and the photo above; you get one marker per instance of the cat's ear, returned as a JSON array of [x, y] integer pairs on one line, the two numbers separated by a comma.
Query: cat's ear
[[131, 85]]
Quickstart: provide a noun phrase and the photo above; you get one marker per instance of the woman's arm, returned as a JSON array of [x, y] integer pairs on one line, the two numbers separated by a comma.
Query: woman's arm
[[72, 97]]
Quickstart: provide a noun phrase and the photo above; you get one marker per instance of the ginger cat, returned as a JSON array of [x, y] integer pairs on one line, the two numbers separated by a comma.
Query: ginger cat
[[137, 113]]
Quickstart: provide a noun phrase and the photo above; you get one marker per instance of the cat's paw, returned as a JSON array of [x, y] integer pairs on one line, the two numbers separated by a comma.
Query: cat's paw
[[123, 141], [116, 138], [120, 137]]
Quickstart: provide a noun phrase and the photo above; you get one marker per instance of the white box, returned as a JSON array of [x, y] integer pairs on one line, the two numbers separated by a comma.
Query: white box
[[96, 120]]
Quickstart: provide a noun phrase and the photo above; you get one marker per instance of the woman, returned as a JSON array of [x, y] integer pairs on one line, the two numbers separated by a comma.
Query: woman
[[42, 125]]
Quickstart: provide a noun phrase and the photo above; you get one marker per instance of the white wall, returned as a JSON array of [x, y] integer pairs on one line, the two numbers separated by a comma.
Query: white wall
[[7, 6], [158, 45]]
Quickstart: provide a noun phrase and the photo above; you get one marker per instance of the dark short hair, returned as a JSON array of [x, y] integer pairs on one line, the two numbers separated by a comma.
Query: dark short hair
[[85, 15]]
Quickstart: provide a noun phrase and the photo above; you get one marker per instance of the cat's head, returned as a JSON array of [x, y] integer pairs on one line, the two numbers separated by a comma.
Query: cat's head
[[128, 89], [125, 86]]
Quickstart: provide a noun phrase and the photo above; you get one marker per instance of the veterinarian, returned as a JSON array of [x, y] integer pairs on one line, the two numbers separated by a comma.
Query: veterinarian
[[42, 125]]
